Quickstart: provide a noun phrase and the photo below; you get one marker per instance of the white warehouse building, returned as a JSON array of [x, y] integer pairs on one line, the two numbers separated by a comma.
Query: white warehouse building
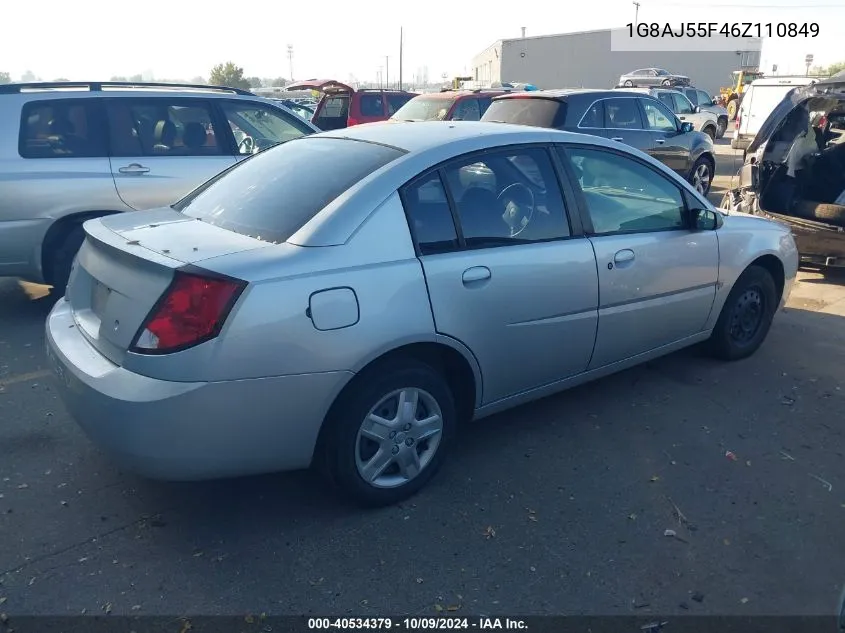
[[585, 59]]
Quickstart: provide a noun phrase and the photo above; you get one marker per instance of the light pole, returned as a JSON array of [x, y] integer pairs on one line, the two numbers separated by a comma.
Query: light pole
[[636, 12], [386, 72], [290, 60]]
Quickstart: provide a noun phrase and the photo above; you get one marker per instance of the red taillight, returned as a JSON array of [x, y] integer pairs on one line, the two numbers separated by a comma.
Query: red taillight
[[192, 310]]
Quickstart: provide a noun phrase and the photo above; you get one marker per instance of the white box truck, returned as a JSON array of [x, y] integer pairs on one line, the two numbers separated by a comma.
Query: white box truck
[[758, 102]]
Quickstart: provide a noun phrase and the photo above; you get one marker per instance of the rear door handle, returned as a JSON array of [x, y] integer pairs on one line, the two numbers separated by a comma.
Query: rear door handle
[[624, 256], [660, 141], [476, 274], [616, 138], [134, 168]]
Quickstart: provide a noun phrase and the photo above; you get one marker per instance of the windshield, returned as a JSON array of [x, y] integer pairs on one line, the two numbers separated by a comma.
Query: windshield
[[534, 111], [424, 109], [271, 195]]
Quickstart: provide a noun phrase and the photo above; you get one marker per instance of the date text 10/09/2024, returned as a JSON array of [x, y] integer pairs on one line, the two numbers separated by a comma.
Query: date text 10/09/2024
[[714, 29], [417, 624]]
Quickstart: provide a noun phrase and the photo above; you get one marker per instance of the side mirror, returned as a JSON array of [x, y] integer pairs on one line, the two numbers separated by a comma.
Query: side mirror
[[715, 101], [705, 219], [697, 109], [687, 127]]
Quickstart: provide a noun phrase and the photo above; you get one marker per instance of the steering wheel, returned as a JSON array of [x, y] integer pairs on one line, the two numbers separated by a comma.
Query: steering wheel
[[247, 145], [519, 204]]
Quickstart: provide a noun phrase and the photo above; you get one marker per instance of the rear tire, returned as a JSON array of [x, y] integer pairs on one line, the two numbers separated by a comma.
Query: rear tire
[[667, 82], [746, 316], [61, 261], [347, 449], [711, 132], [628, 83], [832, 213], [731, 108]]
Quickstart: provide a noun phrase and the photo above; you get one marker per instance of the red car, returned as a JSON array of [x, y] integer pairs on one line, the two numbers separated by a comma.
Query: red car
[[448, 105], [342, 106]]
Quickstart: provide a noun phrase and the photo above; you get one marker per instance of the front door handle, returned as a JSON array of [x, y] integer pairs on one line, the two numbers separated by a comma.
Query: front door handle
[[616, 138], [134, 168], [476, 274], [660, 141], [624, 256]]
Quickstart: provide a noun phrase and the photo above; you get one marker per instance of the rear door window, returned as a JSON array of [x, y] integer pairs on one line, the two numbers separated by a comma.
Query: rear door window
[[622, 114], [271, 195], [666, 99], [162, 127], [534, 111], [64, 128], [256, 125], [372, 105], [702, 98], [594, 116], [429, 215]]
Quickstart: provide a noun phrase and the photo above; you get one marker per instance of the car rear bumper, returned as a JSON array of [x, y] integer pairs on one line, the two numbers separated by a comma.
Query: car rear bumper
[[740, 141], [188, 430]]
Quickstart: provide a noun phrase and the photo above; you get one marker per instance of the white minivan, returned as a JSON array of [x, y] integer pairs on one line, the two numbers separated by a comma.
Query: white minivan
[[758, 102]]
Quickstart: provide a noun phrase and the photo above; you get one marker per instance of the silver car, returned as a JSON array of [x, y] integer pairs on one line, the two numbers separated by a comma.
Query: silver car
[[72, 151], [650, 77], [349, 317]]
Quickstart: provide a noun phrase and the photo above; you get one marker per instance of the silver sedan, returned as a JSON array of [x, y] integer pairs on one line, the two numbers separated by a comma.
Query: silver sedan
[[344, 300]]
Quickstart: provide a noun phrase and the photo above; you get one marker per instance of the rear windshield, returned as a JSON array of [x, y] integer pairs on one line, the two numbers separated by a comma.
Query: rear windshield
[[271, 195], [424, 109], [527, 111]]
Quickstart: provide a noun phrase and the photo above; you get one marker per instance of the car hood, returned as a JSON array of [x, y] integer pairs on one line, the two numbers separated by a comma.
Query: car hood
[[795, 97]]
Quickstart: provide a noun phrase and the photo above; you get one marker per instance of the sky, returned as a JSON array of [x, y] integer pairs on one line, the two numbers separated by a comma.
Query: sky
[[98, 39]]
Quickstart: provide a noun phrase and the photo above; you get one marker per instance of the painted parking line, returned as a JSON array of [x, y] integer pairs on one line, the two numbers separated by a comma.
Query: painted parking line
[[33, 375]]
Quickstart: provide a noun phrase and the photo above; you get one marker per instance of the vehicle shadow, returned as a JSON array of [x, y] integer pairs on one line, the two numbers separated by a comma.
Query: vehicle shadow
[[826, 276]]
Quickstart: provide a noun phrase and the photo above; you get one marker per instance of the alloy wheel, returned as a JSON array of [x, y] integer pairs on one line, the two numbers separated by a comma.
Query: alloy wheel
[[398, 438]]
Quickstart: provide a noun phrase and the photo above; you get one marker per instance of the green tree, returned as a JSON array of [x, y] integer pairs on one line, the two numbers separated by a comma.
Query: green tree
[[255, 82], [278, 82], [118, 78], [61, 79], [835, 68], [5, 78], [230, 75], [137, 78], [29, 76], [198, 80]]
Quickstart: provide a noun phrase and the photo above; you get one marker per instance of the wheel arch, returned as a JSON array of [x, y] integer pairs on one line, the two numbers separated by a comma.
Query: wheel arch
[[456, 362], [58, 231]]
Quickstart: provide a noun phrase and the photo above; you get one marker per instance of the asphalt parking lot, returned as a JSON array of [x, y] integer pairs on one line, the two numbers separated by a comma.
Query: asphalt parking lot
[[559, 507]]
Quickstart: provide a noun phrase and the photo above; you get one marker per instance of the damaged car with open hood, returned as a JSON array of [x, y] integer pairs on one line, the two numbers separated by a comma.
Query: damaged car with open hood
[[794, 171]]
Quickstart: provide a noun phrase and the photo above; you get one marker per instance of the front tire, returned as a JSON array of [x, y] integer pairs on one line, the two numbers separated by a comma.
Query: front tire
[[711, 132], [628, 83], [388, 434], [667, 82], [746, 316], [723, 127], [731, 108], [701, 175]]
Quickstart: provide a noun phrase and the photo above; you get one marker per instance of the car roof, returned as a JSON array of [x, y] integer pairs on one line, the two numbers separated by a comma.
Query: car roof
[[424, 135], [453, 94], [557, 93]]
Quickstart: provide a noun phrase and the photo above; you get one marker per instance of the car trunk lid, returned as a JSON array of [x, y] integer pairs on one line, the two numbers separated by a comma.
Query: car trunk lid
[[790, 101], [125, 266]]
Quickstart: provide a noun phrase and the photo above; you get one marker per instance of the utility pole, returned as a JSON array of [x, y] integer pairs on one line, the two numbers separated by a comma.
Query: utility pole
[[400, 58], [290, 60], [386, 72], [636, 13]]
